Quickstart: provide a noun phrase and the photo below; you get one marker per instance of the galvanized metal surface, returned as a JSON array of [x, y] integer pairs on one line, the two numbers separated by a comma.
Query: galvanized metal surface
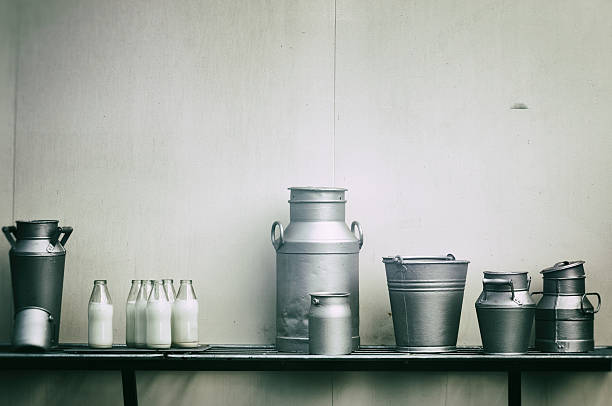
[[316, 252], [329, 324], [505, 312], [37, 258], [426, 295], [564, 315]]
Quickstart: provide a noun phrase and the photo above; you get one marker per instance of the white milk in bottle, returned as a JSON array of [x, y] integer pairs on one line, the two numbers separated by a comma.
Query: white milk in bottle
[[185, 317], [158, 315], [100, 317]]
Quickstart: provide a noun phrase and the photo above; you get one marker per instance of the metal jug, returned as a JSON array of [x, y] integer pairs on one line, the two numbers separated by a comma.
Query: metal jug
[[426, 295], [317, 252], [505, 312], [329, 324], [564, 315], [37, 258]]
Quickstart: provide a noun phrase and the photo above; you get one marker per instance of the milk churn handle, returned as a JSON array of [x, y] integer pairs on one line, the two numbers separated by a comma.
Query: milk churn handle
[[9, 232], [486, 282], [67, 231], [281, 238], [587, 311], [355, 224]]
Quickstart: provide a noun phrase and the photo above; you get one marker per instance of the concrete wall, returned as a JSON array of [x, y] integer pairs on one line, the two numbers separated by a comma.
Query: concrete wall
[[166, 134]]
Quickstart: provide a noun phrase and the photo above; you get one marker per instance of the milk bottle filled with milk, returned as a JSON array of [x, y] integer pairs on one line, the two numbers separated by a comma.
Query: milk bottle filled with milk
[[140, 314], [185, 317], [130, 314], [159, 311], [100, 317]]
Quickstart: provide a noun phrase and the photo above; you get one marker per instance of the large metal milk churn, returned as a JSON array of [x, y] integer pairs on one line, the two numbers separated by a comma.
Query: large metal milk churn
[[316, 252], [37, 258]]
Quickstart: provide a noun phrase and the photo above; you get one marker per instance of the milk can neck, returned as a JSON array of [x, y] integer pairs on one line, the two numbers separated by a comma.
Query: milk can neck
[[317, 211]]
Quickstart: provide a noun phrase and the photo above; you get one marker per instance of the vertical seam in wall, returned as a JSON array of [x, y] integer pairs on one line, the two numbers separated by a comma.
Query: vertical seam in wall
[[334, 102], [17, 35]]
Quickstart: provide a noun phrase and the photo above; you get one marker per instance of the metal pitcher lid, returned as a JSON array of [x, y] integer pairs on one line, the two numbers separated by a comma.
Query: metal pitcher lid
[[559, 266], [448, 259]]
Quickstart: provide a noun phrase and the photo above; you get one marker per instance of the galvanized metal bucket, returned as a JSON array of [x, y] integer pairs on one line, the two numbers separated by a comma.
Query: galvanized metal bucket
[[317, 252], [426, 295], [329, 324], [505, 312], [564, 315]]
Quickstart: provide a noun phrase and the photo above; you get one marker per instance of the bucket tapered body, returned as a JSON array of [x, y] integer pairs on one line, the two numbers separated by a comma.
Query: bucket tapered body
[[426, 296]]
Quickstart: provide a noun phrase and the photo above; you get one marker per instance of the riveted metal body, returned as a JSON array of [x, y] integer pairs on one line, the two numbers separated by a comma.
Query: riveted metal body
[[330, 324], [316, 252], [564, 315], [505, 312], [37, 257], [426, 295]]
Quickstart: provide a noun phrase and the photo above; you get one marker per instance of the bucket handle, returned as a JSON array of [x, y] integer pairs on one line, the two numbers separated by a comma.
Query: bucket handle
[[10, 233], [587, 311], [355, 224], [500, 282], [277, 243]]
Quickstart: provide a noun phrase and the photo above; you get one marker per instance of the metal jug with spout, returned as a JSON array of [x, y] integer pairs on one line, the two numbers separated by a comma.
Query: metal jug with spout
[[37, 258]]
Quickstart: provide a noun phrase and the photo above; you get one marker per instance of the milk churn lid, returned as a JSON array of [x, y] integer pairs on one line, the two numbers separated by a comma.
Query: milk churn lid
[[571, 268]]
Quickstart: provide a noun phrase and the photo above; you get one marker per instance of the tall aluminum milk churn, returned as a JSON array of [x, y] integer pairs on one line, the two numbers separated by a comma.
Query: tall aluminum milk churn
[[329, 324], [564, 315], [426, 295], [317, 252], [37, 259], [505, 312]]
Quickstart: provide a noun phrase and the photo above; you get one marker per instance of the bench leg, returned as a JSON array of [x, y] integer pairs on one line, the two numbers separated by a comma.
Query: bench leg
[[130, 394], [514, 388]]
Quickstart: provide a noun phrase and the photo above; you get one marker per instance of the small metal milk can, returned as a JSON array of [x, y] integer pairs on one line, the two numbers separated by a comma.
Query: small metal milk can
[[329, 324], [564, 315], [317, 252], [505, 312]]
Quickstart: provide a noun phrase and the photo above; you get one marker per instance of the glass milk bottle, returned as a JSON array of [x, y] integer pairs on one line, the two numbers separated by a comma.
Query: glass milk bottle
[[130, 314], [159, 311], [100, 317], [169, 287], [185, 317], [140, 314]]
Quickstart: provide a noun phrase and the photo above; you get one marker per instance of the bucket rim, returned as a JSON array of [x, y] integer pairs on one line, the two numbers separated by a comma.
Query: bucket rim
[[425, 260]]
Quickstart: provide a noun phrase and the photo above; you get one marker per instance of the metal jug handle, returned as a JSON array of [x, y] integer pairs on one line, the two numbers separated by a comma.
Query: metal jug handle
[[10, 233], [67, 231], [558, 264], [277, 243], [486, 282], [528, 282], [587, 310], [355, 224]]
